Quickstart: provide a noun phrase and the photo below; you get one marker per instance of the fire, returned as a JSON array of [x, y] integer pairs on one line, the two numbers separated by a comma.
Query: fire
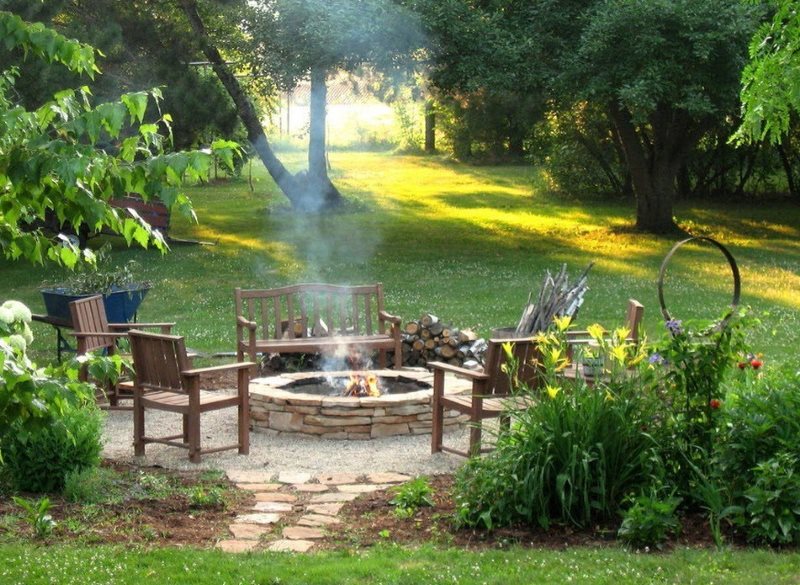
[[362, 385]]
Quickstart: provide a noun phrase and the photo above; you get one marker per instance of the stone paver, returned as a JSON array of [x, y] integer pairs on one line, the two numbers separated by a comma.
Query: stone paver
[[249, 476], [258, 518], [237, 546], [337, 478], [387, 477], [311, 487], [242, 531], [316, 501], [361, 488], [275, 497], [286, 545], [303, 533], [328, 509], [333, 497], [317, 520], [273, 507], [259, 487], [293, 477]]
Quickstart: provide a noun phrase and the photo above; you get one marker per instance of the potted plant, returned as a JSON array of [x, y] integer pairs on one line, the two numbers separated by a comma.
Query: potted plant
[[122, 292]]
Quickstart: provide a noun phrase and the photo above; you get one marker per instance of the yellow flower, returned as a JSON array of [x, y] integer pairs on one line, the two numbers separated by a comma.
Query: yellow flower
[[562, 323], [619, 353], [508, 348], [596, 331], [552, 391], [609, 396], [621, 334]]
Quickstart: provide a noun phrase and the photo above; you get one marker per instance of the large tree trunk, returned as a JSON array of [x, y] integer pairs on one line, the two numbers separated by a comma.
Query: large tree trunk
[[654, 166], [302, 194], [430, 127]]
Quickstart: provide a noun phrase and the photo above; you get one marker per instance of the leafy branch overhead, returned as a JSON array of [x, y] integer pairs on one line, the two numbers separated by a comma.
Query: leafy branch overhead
[[67, 158]]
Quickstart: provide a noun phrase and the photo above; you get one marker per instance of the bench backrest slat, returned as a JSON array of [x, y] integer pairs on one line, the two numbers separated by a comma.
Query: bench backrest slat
[[284, 312]]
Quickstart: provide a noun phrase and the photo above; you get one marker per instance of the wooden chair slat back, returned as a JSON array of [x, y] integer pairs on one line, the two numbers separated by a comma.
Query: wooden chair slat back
[[525, 353], [89, 316], [158, 360], [633, 318]]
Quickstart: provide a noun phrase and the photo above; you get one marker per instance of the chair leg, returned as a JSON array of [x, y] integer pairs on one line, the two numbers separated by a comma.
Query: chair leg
[[475, 438], [138, 425], [194, 439], [244, 414], [438, 412]]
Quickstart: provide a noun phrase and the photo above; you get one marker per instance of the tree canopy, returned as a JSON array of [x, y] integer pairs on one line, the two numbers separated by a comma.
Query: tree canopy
[[771, 80], [68, 157]]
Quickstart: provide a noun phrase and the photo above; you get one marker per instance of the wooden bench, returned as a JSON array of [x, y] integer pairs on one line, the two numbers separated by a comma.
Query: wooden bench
[[315, 318]]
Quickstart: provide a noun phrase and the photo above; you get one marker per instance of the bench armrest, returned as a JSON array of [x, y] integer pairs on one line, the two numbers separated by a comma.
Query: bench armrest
[[83, 334], [384, 316], [471, 374], [215, 369], [242, 322], [165, 327]]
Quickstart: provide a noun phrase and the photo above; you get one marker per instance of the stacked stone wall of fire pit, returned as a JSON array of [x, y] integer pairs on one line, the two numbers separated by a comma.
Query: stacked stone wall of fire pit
[[275, 408]]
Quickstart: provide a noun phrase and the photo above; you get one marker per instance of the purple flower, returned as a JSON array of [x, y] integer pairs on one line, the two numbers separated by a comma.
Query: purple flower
[[674, 326], [657, 359]]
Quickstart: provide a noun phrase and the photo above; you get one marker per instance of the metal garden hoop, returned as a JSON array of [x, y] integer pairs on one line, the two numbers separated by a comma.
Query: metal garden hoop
[[737, 285]]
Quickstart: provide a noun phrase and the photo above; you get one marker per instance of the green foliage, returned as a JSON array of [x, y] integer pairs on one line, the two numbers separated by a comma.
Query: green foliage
[[773, 511], [92, 485], [573, 458], [410, 496], [38, 461], [37, 515], [57, 161], [206, 497], [100, 276], [649, 521], [695, 360], [770, 80]]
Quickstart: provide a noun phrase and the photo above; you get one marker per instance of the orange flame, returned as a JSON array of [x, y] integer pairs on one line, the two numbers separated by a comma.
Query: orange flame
[[366, 385]]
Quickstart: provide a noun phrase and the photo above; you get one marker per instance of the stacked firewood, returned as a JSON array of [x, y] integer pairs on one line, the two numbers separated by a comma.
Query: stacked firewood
[[428, 339]]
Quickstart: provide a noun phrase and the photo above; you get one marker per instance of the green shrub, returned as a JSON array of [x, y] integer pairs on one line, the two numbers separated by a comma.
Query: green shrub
[[572, 458], [761, 417], [649, 521], [412, 495], [91, 485], [202, 497], [38, 461], [773, 511]]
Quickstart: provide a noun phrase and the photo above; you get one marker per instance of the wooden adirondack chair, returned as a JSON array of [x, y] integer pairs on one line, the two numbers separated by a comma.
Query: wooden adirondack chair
[[166, 381], [94, 332], [491, 391]]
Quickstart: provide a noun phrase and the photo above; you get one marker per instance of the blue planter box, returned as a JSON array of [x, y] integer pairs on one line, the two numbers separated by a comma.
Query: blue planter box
[[121, 304]]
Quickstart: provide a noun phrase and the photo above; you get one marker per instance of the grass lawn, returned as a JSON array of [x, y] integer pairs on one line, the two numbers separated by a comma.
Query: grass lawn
[[465, 243], [390, 565]]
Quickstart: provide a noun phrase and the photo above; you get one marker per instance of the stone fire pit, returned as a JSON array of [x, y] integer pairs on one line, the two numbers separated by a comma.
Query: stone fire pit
[[299, 403]]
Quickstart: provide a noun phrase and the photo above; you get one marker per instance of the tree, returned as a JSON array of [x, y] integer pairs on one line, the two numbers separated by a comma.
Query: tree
[[663, 87], [663, 70], [51, 161], [771, 79]]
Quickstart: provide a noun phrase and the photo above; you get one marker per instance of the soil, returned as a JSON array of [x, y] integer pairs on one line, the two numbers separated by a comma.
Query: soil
[[171, 520]]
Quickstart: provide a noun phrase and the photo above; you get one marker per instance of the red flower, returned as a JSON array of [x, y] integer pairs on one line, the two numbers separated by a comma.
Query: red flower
[[714, 403], [756, 363], [742, 365]]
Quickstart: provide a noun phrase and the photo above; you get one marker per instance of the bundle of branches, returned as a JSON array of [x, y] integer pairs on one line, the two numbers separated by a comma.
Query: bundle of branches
[[557, 298]]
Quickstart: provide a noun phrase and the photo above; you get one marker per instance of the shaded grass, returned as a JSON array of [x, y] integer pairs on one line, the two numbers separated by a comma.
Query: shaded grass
[[465, 243], [389, 565]]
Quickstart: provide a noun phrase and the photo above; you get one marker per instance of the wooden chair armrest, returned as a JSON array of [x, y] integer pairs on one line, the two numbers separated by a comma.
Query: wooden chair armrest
[[242, 322], [214, 369], [82, 334], [471, 374], [384, 316], [165, 327]]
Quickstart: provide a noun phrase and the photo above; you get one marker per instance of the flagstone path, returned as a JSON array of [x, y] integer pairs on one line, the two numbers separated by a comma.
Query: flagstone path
[[293, 509]]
